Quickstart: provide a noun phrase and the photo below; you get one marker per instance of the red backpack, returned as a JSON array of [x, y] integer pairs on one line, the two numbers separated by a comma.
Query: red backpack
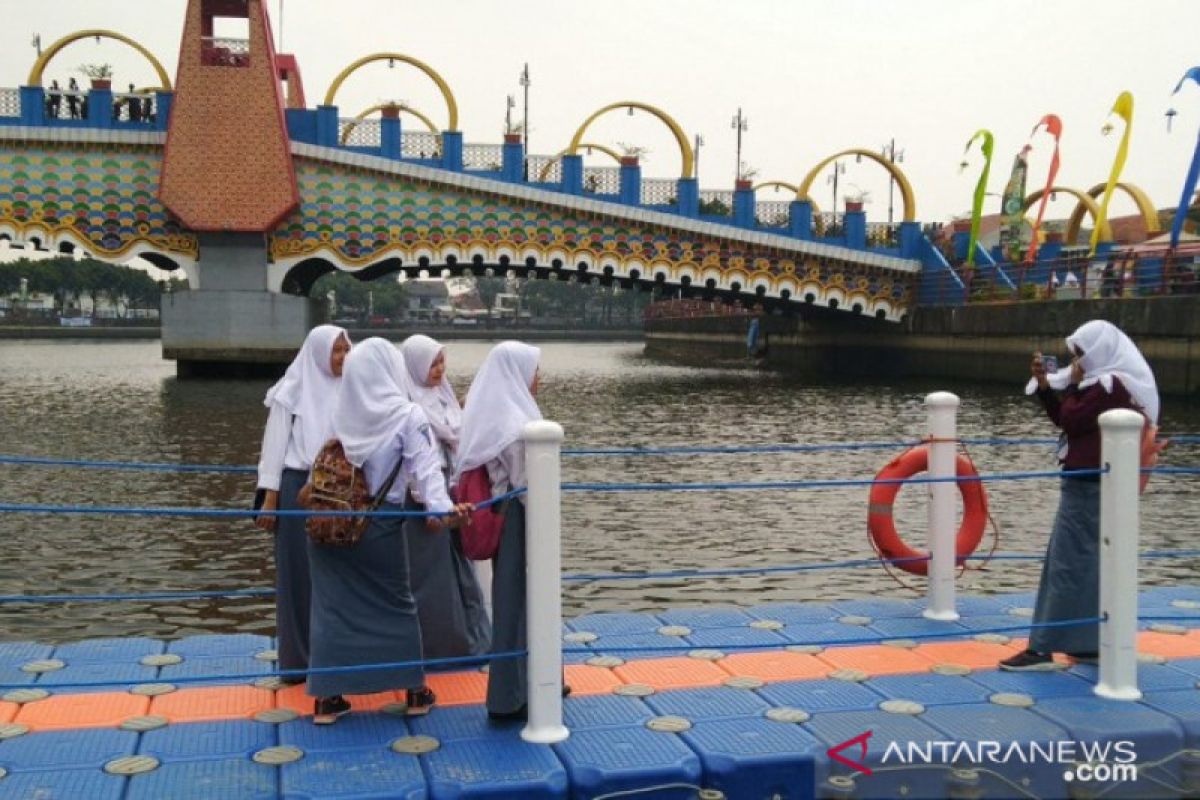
[[481, 534]]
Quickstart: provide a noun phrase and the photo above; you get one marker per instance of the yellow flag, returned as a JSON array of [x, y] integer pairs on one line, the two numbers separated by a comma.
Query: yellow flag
[[1123, 108]]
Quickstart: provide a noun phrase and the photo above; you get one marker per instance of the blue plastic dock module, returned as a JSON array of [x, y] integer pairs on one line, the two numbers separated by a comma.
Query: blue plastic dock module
[[69, 784], [54, 750], [375, 774], [900, 627], [1157, 737], [720, 702], [716, 617], [728, 639], [450, 723], [930, 689], [973, 723], [757, 757], [128, 649], [1184, 707], [615, 760], [878, 608], [206, 780], [208, 741], [199, 666], [499, 768], [615, 623], [1035, 684], [633, 646], [355, 731], [884, 728], [604, 711], [14, 654], [822, 695], [222, 644], [122, 675], [828, 633], [794, 613]]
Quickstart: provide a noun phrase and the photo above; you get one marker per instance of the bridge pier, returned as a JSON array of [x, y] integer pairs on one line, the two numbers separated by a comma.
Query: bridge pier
[[230, 325]]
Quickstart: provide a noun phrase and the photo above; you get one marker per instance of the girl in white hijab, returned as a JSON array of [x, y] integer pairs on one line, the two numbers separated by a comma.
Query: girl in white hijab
[[501, 400], [1108, 372], [298, 425], [363, 610], [450, 603]]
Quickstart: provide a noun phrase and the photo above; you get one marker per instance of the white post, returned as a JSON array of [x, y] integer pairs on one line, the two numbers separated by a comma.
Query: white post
[[543, 581], [942, 414], [1120, 452]]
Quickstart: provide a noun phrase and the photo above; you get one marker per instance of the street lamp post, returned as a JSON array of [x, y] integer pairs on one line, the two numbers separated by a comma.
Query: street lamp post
[[699, 142], [893, 155], [739, 123], [838, 169], [525, 125]]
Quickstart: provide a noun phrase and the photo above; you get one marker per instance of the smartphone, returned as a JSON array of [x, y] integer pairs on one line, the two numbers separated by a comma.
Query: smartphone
[[1050, 364]]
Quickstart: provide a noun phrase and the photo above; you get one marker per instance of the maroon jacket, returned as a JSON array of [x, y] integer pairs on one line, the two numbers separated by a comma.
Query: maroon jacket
[[1078, 413]]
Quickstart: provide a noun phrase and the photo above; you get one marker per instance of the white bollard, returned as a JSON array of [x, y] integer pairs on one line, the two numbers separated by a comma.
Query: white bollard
[[1121, 452], [942, 413], [543, 582]]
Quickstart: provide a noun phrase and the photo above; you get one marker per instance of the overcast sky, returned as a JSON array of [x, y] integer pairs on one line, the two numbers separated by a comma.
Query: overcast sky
[[812, 77]]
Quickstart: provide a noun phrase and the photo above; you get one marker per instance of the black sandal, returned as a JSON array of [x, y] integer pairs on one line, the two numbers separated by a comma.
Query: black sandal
[[418, 702]]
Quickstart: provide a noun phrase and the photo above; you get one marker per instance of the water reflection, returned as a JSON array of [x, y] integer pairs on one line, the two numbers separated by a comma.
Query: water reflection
[[119, 401]]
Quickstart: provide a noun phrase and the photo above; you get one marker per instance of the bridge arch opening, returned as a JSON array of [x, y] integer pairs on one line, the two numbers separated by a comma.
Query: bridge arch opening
[[378, 107], [906, 190], [439, 81], [1142, 200], [685, 147], [39, 66]]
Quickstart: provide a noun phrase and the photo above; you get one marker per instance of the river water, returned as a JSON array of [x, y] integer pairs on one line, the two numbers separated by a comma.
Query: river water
[[121, 402]]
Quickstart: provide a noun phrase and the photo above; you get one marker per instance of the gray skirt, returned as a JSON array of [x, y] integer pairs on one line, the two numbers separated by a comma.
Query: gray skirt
[[1070, 585], [292, 586], [363, 612], [449, 601], [507, 683]]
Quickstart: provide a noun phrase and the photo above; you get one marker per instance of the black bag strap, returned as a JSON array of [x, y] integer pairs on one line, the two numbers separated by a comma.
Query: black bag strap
[[387, 485]]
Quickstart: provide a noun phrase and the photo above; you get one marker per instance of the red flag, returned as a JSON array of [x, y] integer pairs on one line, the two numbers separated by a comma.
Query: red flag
[[1053, 127]]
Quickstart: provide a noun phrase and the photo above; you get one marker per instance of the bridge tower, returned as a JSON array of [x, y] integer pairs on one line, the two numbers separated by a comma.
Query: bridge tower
[[227, 175]]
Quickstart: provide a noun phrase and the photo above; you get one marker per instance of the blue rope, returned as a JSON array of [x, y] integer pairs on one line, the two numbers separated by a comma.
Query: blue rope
[[820, 484], [598, 645], [290, 673], [1172, 471], [24, 508], [1168, 617]]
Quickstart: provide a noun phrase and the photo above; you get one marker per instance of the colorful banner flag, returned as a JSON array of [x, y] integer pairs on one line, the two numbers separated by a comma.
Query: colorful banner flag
[[1189, 183], [1013, 206], [980, 188], [1053, 127], [1123, 108]]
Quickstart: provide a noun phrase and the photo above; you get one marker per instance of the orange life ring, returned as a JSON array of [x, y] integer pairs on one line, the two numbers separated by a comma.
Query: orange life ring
[[883, 495]]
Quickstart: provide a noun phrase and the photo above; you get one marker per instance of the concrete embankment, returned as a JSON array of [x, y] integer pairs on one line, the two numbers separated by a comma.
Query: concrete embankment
[[986, 343], [49, 332]]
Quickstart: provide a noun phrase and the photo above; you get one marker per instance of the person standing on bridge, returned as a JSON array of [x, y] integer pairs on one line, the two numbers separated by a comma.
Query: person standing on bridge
[[298, 425], [450, 603], [502, 399], [1107, 372]]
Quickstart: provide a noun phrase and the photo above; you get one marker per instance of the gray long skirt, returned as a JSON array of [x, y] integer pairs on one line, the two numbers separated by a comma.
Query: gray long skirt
[[363, 612], [449, 601], [293, 591], [1070, 585], [507, 683]]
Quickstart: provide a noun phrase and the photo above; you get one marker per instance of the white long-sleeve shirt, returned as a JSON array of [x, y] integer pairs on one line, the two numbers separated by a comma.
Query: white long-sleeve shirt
[[507, 470], [279, 449], [421, 470]]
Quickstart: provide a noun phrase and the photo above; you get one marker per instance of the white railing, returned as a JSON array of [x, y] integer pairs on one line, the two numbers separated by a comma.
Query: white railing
[[360, 132], [660, 191], [10, 102], [773, 213], [420, 144], [551, 166], [601, 180], [711, 197], [216, 51], [486, 157], [135, 107]]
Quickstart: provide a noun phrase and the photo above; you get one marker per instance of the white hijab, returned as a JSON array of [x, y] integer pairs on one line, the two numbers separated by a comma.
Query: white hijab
[[308, 390], [440, 404], [371, 402], [1108, 352], [498, 404]]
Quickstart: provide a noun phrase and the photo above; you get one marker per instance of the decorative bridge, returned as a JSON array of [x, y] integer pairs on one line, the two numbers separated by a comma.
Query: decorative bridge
[[231, 177]]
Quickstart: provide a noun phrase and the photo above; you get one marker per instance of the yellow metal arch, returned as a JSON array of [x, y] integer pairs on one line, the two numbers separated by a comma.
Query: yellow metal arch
[[685, 147], [1145, 206], [39, 66], [608, 151], [380, 107], [1090, 205], [906, 190], [443, 87]]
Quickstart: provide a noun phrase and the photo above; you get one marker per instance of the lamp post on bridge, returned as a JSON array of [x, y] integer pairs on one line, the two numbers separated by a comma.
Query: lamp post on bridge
[[838, 169], [525, 124], [739, 123], [699, 142], [893, 155]]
